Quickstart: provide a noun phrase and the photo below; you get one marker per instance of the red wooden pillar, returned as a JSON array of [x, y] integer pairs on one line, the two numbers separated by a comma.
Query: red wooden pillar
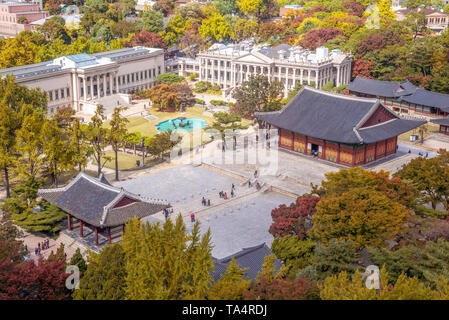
[[69, 222], [386, 144], [324, 150], [354, 153], [338, 154], [375, 152], [305, 149], [109, 235], [364, 154], [81, 229], [96, 237]]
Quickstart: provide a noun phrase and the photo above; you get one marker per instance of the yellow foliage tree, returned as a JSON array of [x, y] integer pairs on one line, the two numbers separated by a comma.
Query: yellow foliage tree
[[231, 285], [249, 7], [341, 287], [363, 215]]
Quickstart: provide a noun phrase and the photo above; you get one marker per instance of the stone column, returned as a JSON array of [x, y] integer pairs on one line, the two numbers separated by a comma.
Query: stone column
[[84, 88], [302, 76], [286, 82], [212, 71], [294, 77], [269, 73], [317, 79], [201, 70], [279, 74], [110, 84], [92, 88], [308, 77], [219, 72], [241, 74], [104, 84], [225, 85]]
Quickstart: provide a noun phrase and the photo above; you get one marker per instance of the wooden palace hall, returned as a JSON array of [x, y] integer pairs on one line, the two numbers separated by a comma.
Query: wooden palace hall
[[402, 97], [93, 204], [343, 129]]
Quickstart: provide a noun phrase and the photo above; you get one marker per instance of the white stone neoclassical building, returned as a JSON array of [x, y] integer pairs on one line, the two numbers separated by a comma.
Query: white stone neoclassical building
[[82, 81], [229, 65]]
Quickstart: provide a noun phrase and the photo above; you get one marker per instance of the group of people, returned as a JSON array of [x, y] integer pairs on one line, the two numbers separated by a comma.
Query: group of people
[[224, 195], [42, 246], [167, 212], [205, 202]]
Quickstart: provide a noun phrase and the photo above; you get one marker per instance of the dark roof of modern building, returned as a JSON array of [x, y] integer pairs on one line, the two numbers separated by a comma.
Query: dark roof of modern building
[[335, 117], [31, 69], [443, 121], [93, 201], [428, 98], [251, 258], [381, 88], [124, 53]]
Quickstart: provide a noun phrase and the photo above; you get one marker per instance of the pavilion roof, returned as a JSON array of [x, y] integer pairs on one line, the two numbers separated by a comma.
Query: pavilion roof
[[381, 88], [251, 258], [335, 117], [96, 202]]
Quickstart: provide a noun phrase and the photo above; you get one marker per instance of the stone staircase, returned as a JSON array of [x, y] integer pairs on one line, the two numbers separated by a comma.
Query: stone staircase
[[70, 245]]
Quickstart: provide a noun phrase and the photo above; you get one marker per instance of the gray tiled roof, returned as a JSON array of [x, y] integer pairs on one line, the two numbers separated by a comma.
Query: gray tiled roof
[[92, 200], [251, 258], [381, 88], [334, 117], [443, 121], [428, 98]]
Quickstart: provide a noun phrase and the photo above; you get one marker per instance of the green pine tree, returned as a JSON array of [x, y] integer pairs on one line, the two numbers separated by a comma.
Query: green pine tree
[[78, 260], [163, 262]]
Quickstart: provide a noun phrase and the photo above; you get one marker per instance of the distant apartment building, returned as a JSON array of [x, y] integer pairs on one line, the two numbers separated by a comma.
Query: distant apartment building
[[82, 81], [142, 5], [436, 20], [11, 13], [290, 8], [229, 65], [72, 21]]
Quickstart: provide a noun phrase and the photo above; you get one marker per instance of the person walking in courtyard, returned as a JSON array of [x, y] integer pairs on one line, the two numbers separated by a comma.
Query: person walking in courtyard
[[255, 174], [203, 201], [208, 202], [232, 193], [249, 184], [225, 196], [192, 218], [232, 187]]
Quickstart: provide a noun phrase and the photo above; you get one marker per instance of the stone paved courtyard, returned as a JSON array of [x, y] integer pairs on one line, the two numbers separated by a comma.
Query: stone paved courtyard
[[242, 224]]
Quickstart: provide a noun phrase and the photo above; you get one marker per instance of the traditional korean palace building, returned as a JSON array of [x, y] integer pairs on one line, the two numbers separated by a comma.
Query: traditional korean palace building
[[343, 129], [403, 97], [444, 125], [251, 259], [96, 204]]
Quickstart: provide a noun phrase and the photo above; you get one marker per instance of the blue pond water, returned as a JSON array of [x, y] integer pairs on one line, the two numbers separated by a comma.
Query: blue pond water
[[187, 124]]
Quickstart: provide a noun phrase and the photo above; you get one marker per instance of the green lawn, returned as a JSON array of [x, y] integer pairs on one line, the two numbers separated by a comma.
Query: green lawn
[[148, 128], [128, 161], [406, 135]]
